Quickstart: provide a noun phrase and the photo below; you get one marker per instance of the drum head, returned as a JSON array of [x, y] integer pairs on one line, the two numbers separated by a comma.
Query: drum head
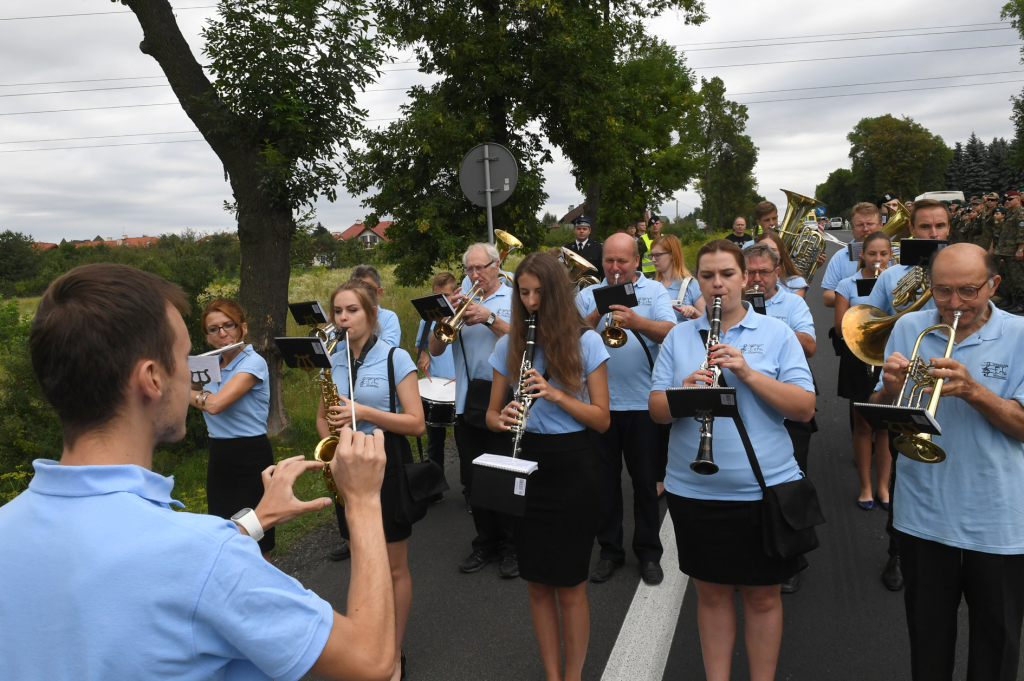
[[437, 390]]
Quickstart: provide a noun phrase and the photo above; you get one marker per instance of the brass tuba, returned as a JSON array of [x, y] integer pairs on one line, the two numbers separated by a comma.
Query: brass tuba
[[579, 269], [509, 243], [897, 227], [791, 227]]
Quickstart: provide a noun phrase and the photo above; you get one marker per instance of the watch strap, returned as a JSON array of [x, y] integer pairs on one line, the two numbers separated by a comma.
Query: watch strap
[[250, 523]]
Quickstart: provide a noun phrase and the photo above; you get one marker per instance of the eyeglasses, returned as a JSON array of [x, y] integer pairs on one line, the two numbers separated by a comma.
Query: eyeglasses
[[760, 273], [658, 256], [215, 330], [965, 293], [472, 269]]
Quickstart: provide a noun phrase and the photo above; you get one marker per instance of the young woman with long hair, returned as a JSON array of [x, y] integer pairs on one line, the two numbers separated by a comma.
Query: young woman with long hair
[[568, 383], [353, 307], [236, 412], [720, 544], [670, 270], [789, 276], [857, 380]]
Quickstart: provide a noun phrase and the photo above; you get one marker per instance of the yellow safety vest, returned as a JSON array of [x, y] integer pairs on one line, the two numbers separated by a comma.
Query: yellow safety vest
[[646, 264]]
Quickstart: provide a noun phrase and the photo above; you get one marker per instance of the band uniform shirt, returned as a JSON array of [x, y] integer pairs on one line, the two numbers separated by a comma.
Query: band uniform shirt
[[246, 416], [371, 385], [881, 295], [390, 328], [793, 284], [839, 267], [973, 499], [791, 310], [545, 417], [689, 297], [478, 341], [629, 370], [769, 347], [847, 288], [114, 584], [442, 366]]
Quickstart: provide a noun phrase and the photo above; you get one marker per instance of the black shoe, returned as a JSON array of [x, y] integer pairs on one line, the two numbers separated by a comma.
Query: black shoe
[[436, 499], [605, 569], [791, 585], [509, 568], [651, 573], [476, 561], [342, 552], [892, 576]]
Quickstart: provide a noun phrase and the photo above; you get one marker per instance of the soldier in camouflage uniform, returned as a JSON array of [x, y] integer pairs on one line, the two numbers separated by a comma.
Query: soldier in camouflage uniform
[[985, 233], [969, 222], [955, 220], [1009, 238]]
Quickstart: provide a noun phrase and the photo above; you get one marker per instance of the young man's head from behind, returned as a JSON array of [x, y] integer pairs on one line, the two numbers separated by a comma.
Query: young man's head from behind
[[108, 339]]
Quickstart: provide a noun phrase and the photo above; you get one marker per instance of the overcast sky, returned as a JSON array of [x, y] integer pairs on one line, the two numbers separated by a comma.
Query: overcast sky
[[145, 188]]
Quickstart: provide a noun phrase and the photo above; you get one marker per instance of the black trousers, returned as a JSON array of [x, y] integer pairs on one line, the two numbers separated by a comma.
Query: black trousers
[[435, 444], [493, 530], [800, 434], [894, 535], [632, 436], [993, 585]]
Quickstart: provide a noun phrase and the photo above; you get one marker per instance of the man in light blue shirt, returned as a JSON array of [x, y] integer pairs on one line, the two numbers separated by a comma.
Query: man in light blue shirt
[[865, 218], [127, 587], [390, 328], [486, 322], [927, 221], [632, 434], [958, 522]]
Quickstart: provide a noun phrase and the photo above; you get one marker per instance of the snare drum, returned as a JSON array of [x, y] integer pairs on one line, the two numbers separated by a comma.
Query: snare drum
[[438, 402]]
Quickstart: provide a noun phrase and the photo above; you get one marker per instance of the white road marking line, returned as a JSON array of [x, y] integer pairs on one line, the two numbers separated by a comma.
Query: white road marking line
[[641, 650]]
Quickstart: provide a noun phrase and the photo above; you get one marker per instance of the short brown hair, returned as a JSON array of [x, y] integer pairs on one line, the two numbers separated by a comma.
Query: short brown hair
[[442, 279], [764, 208], [722, 246], [366, 272], [92, 327], [925, 204], [866, 208], [229, 308]]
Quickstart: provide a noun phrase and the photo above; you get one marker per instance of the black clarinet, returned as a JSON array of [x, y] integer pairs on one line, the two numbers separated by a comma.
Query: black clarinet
[[521, 396], [705, 464]]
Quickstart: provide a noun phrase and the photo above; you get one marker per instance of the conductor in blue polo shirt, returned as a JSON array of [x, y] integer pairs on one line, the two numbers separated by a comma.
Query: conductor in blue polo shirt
[[112, 583], [632, 434], [865, 218], [390, 328], [959, 521]]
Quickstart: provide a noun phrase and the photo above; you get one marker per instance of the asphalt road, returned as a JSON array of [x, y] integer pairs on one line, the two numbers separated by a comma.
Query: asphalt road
[[842, 624]]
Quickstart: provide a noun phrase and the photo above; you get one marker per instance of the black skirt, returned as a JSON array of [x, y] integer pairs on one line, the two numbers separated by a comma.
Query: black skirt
[[555, 538], [394, 531], [721, 542], [857, 380], [233, 477]]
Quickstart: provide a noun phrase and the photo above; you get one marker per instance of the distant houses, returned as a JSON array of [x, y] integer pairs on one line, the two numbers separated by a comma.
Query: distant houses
[[370, 236]]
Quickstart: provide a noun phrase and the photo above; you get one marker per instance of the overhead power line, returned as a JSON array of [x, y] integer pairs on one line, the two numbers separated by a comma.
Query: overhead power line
[[94, 89], [93, 14], [89, 108], [885, 92], [855, 56], [844, 33], [877, 82], [88, 80], [100, 137], [844, 40], [99, 146]]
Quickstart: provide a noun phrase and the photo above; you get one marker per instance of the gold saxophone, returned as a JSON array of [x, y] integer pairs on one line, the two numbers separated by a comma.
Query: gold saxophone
[[324, 450]]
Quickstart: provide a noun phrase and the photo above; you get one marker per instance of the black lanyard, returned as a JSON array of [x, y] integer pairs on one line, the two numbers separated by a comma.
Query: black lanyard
[[359, 361]]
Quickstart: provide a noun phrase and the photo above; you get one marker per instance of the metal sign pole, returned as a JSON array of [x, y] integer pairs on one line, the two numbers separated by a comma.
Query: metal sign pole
[[487, 193]]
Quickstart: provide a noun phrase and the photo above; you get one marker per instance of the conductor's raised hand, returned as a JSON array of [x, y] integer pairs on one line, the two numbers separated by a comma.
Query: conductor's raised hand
[[279, 503], [894, 372], [358, 465]]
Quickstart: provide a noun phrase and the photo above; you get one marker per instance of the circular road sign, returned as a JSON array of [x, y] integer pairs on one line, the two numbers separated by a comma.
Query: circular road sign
[[503, 171]]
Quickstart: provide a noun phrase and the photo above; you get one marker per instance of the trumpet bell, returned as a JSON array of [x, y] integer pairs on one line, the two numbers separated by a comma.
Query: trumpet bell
[[510, 242], [919, 448], [446, 333], [614, 336]]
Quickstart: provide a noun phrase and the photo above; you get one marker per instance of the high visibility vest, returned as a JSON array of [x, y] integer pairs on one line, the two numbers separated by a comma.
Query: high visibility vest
[[646, 264]]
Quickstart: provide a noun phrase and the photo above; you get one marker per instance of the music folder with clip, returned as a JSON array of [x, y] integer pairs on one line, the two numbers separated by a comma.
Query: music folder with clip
[[905, 420], [756, 301], [304, 352], [499, 483], [920, 251], [688, 402], [865, 287], [854, 249], [433, 308], [614, 294], [307, 314]]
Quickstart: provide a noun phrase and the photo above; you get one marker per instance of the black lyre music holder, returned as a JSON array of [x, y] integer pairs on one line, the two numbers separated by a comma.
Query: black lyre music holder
[[304, 352], [898, 419], [692, 402], [433, 308], [865, 287], [307, 314]]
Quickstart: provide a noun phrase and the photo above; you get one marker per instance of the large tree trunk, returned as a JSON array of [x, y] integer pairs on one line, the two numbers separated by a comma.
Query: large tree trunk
[[592, 204]]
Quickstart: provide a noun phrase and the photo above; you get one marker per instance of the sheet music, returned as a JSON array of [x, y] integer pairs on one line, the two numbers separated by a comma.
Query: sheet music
[[205, 369], [506, 463]]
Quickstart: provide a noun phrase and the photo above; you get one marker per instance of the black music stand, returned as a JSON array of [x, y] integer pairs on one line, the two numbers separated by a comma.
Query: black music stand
[[898, 419], [307, 314], [756, 301], [433, 308], [304, 352], [719, 402]]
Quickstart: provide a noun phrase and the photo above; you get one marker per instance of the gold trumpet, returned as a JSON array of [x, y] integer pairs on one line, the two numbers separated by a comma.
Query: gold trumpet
[[579, 269], [866, 328], [447, 330], [919, 446], [613, 335], [510, 243]]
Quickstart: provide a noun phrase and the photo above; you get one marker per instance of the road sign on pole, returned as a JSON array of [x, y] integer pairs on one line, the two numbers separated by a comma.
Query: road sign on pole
[[481, 164]]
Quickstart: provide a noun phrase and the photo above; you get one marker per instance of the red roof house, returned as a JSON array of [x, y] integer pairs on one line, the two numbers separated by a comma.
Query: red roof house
[[368, 235]]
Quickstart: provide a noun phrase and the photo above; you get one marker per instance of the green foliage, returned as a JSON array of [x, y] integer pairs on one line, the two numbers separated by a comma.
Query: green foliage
[[18, 261], [559, 236], [838, 192], [977, 169], [896, 154], [289, 71]]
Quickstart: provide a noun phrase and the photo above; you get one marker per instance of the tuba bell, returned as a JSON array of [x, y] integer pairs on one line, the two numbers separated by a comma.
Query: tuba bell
[[866, 328], [797, 206], [579, 269], [897, 227], [509, 243]]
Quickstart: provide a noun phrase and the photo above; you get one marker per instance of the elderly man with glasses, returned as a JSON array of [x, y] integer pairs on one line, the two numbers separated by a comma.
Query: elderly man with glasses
[[958, 521], [487, 320]]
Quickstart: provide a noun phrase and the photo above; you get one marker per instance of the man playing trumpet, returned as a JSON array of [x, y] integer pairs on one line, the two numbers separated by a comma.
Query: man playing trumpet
[[958, 522]]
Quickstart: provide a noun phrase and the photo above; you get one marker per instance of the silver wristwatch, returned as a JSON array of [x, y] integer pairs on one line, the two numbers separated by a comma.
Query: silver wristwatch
[[490, 320], [246, 518]]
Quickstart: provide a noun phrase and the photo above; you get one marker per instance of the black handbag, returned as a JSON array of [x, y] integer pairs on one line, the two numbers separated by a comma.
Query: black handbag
[[478, 397], [417, 480], [789, 511]]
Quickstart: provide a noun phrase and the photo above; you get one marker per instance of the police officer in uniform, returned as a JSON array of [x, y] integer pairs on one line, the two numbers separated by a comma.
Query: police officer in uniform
[[584, 246]]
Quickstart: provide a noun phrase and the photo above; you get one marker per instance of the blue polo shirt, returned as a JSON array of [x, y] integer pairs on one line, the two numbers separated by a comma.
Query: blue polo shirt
[[478, 341], [390, 329], [547, 418], [372, 388], [847, 288], [791, 310], [442, 366], [881, 295], [839, 267], [972, 500], [768, 346], [107, 582], [629, 370], [246, 416], [689, 296], [793, 284]]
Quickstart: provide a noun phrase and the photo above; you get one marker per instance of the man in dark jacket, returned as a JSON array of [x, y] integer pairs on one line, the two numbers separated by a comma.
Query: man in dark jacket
[[588, 249]]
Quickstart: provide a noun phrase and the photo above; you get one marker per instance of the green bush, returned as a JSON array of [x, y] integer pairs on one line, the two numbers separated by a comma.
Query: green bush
[[559, 236]]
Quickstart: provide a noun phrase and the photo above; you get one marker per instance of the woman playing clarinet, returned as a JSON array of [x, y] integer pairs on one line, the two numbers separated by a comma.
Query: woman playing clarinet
[[568, 393], [716, 519]]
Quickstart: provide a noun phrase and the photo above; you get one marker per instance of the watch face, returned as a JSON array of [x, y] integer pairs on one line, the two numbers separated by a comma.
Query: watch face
[[241, 513]]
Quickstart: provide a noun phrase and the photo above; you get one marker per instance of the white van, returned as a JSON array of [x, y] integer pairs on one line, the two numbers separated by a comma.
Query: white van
[[941, 196], [835, 223]]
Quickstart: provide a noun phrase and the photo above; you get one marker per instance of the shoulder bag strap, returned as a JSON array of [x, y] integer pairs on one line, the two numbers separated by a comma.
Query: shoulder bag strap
[[464, 360], [392, 389], [647, 351]]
